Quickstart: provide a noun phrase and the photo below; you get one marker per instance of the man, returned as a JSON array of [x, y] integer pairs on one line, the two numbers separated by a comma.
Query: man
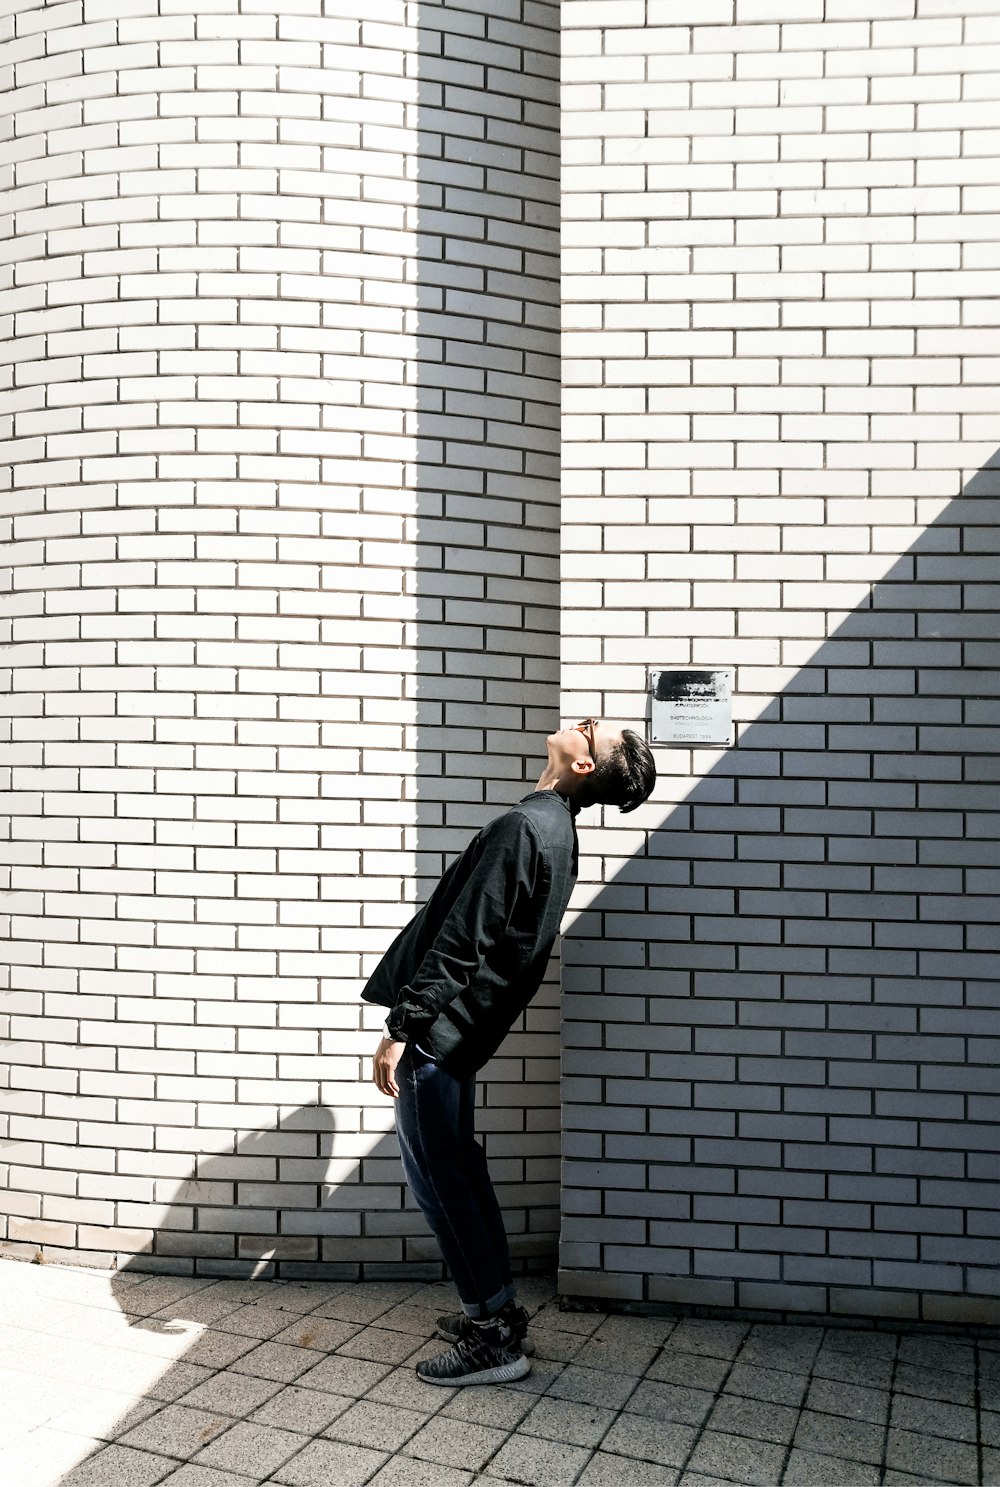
[[455, 979]]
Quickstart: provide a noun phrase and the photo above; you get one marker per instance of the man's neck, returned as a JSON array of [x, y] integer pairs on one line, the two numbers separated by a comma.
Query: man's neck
[[553, 779]]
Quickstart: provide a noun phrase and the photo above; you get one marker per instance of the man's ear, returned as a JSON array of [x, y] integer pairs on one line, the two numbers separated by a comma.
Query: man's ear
[[583, 766]]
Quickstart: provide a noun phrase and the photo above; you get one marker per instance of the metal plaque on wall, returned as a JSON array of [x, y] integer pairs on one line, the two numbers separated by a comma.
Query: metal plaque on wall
[[691, 709]]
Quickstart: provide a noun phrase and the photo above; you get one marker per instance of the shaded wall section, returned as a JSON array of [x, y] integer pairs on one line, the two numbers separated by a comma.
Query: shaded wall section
[[275, 352], [780, 998], [486, 638]]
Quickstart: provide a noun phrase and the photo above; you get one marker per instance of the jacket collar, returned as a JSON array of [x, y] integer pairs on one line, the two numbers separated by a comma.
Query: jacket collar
[[565, 800]]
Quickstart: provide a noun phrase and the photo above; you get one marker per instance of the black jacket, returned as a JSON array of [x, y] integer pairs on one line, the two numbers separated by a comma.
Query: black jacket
[[471, 959]]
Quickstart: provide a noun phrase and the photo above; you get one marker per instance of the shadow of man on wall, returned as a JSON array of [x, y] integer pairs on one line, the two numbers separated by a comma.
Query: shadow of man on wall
[[183, 1361]]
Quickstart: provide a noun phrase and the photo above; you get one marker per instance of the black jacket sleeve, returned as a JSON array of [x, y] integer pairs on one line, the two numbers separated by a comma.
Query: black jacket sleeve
[[475, 924]]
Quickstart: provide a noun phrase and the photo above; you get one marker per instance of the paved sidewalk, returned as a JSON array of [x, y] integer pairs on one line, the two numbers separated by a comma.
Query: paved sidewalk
[[129, 1380]]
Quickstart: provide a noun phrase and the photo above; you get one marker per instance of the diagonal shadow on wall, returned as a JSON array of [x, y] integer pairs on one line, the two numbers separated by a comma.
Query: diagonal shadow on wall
[[780, 1015]]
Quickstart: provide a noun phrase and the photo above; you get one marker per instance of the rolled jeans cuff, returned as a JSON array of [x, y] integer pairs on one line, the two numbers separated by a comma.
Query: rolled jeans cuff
[[491, 1307]]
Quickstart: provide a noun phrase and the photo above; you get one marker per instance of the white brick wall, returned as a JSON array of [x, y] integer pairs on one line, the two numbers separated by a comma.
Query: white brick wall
[[282, 608], [780, 1040]]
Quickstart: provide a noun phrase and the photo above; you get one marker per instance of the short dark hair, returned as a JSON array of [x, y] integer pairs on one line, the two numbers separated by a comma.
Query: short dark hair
[[624, 775]]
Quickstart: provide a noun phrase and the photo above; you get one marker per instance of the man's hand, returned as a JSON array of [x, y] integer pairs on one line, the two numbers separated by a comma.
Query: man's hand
[[387, 1056]]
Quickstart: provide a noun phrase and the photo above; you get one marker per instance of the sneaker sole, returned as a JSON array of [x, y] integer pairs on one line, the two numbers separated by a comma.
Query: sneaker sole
[[527, 1346], [506, 1373]]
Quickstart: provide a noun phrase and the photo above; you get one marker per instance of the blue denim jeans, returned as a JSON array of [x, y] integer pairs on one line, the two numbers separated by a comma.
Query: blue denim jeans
[[446, 1170]]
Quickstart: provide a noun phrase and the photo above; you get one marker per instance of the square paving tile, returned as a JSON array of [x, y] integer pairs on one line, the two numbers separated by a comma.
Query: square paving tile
[[230, 1393], [808, 1469], [663, 1441], [401, 1386], [436, 1296], [176, 1430], [739, 1460], [381, 1345], [852, 1368], [833, 1397], [616, 1356], [252, 1449], [297, 1295], [698, 1370], [178, 1380], [644, 1331], [308, 1411], [933, 1417], [951, 1353], [753, 1418], [954, 1462], [544, 1372], [384, 1427], [411, 1316], [206, 1307], [277, 1361], [407, 1471], [338, 1375], [258, 1322], [315, 1332], [214, 1349], [363, 1303], [121, 1466], [501, 1408], [330, 1464], [551, 1342], [770, 1385], [718, 1339], [834, 1435], [456, 1443], [605, 1469], [190, 1475], [592, 1386], [769, 1347], [893, 1478], [933, 1383], [486, 1479], [562, 1420], [671, 1402], [862, 1342], [583, 1322], [540, 1463]]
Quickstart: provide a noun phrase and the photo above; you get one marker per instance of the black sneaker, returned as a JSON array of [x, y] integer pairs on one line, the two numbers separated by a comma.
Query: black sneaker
[[515, 1317], [482, 1355]]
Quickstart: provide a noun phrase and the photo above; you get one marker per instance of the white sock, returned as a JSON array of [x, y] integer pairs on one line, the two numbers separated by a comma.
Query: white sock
[[487, 1322]]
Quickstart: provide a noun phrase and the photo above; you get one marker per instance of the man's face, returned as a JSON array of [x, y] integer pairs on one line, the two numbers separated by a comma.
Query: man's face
[[591, 738]]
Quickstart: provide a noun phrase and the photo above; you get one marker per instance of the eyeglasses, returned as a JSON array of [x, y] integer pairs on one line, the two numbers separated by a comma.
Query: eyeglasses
[[588, 728]]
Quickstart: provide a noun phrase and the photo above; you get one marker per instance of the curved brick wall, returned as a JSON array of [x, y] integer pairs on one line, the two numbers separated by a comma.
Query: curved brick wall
[[283, 575]]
